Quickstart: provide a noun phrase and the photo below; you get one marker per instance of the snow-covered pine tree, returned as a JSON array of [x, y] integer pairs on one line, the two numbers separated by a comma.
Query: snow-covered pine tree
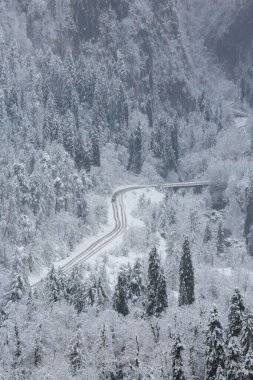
[[120, 297], [156, 289], [104, 354], [95, 146], [220, 374], [38, 348], [76, 354], [220, 240], [30, 305], [69, 133], [236, 314], [233, 360], [137, 287], [247, 333], [18, 348], [56, 285], [177, 372], [214, 352], [100, 296], [138, 149], [186, 277], [248, 366], [17, 288], [80, 157], [76, 295], [19, 281], [135, 150], [249, 215]]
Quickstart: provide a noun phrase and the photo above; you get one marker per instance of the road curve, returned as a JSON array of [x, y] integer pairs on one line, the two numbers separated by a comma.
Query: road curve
[[119, 214]]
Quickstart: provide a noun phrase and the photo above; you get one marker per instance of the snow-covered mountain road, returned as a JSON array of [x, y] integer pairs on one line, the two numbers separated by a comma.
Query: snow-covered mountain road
[[120, 218]]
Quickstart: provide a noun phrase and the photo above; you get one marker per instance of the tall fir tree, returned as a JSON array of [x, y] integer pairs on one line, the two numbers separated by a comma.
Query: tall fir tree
[[249, 217], [248, 366], [76, 354], [56, 285], [157, 301], [100, 297], [120, 297], [19, 282], [69, 133], [220, 240], [220, 374], [233, 360], [18, 348], [177, 362], [186, 277], [236, 314], [38, 348], [80, 152], [247, 334], [214, 352], [95, 146], [76, 294], [137, 287], [135, 151]]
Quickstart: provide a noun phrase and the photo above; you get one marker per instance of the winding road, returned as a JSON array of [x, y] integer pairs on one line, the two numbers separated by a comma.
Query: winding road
[[120, 218]]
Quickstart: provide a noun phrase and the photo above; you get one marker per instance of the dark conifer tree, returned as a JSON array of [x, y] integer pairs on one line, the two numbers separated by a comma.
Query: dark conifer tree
[[233, 360], [38, 349], [215, 355], [56, 285], [247, 334], [207, 234], [95, 147], [76, 291], [76, 355], [236, 314], [137, 287], [135, 151], [177, 362], [18, 348], [249, 215], [130, 152], [19, 281], [149, 111], [69, 133], [138, 149], [80, 154], [88, 158], [156, 290], [99, 294], [174, 139], [220, 374], [220, 240], [248, 366], [120, 297], [186, 277]]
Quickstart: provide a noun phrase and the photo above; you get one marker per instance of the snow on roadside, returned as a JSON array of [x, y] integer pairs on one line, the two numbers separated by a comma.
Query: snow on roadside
[[130, 201], [113, 261]]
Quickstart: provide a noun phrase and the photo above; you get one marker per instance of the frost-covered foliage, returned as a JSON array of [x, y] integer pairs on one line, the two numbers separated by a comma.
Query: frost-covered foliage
[[99, 93]]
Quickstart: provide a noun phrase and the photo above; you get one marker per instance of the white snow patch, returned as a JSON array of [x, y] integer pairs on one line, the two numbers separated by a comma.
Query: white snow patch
[[227, 272]]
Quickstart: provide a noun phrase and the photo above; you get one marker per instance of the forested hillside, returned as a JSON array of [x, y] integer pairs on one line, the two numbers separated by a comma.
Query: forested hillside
[[96, 94]]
